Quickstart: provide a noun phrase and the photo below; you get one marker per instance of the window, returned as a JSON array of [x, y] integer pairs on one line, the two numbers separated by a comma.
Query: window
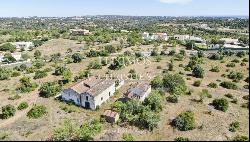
[[109, 94], [87, 98], [101, 98]]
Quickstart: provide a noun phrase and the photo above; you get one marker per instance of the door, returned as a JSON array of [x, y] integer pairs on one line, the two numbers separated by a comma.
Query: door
[[87, 105]]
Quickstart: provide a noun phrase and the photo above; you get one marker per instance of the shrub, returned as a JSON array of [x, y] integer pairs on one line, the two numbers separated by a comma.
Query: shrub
[[15, 74], [235, 76], [198, 72], [77, 58], [181, 139], [40, 74], [212, 85], [15, 97], [229, 96], [216, 56], [158, 67], [241, 54], [26, 85], [229, 85], [127, 137], [245, 60], [235, 61], [23, 106], [37, 111], [8, 111], [215, 69], [230, 65], [185, 121], [59, 70], [197, 83], [172, 99], [235, 101], [220, 104], [4, 73], [49, 89], [246, 97], [240, 138]]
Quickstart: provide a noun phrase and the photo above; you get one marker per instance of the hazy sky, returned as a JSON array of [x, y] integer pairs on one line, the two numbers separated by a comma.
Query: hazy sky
[[23, 8]]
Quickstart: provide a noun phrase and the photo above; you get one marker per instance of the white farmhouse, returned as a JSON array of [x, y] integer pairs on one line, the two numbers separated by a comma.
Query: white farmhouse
[[79, 32], [181, 37], [23, 45], [230, 40], [90, 93], [140, 91], [154, 36]]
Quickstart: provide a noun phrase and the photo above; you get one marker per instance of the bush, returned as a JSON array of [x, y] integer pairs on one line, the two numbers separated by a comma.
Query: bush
[[26, 85], [181, 139], [23, 106], [15, 97], [127, 137], [197, 83], [198, 72], [172, 99], [245, 60], [184, 122], [235, 76], [40, 74], [37, 111], [230, 65], [4, 73], [8, 111], [240, 138], [49, 89], [229, 85], [175, 84], [77, 58], [221, 104], [229, 96], [246, 97], [212, 85], [216, 56], [15, 74], [235, 61], [215, 69], [59, 70], [241, 54]]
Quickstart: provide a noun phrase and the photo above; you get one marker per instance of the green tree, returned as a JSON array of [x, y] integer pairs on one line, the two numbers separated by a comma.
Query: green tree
[[49, 89], [175, 84]]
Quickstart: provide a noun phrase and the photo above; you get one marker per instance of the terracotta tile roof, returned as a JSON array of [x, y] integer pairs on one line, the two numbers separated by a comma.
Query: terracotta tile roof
[[110, 113], [92, 85]]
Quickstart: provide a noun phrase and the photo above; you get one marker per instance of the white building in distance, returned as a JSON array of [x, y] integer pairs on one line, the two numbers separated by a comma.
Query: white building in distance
[[23, 45], [154, 36]]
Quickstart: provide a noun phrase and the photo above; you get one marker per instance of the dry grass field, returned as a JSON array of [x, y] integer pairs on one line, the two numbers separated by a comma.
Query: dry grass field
[[211, 124]]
